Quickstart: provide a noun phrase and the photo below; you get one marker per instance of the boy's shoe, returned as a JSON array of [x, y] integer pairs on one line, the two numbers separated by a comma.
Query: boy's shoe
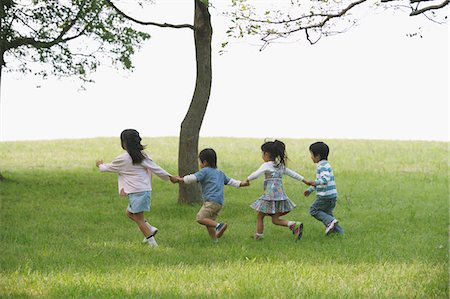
[[220, 229], [152, 242], [331, 226], [153, 230], [300, 230]]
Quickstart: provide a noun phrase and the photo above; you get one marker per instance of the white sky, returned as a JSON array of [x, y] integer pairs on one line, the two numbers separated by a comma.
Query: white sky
[[372, 82]]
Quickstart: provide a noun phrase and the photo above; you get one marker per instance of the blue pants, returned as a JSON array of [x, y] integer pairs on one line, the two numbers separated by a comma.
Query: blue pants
[[322, 210]]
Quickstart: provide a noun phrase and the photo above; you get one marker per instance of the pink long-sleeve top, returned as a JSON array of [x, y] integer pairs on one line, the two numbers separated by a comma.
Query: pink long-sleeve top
[[134, 177]]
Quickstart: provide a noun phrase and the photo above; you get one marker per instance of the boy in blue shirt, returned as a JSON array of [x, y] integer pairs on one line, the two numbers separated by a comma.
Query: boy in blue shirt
[[212, 181], [325, 187]]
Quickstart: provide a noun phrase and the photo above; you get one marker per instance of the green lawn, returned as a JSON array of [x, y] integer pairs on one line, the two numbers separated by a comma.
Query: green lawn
[[64, 232]]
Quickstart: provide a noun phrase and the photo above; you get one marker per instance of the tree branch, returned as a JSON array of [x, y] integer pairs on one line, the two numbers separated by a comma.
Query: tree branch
[[166, 25], [26, 41], [431, 7], [328, 17]]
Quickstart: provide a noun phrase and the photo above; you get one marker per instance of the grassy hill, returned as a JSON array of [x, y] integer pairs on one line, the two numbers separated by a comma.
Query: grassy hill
[[64, 232]]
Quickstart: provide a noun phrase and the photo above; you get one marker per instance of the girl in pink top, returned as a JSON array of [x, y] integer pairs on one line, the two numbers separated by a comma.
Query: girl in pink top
[[135, 170]]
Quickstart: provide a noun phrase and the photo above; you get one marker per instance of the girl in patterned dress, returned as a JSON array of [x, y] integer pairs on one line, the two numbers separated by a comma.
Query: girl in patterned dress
[[274, 202]]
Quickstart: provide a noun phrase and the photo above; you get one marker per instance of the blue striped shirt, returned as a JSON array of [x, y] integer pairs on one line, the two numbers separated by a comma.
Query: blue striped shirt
[[325, 184]]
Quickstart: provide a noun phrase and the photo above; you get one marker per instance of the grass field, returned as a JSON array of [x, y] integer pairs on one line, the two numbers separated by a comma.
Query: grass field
[[64, 232]]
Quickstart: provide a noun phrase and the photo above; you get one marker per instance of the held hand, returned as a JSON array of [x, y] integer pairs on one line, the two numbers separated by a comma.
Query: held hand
[[309, 182], [122, 192], [98, 162], [306, 193], [174, 179], [245, 183]]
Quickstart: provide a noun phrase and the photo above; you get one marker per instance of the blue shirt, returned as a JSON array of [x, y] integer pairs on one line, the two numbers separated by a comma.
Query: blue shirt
[[325, 184], [212, 181]]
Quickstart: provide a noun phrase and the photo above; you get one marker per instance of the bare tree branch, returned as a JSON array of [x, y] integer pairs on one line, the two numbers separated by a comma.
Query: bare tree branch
[[418, 11], [166, 25], [431, 7], [327, 18]]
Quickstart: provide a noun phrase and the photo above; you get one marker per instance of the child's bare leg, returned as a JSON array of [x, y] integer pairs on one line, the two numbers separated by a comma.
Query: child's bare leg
[[277, 221], [140, 221], [260, 223], [212, 232], [210, 226]]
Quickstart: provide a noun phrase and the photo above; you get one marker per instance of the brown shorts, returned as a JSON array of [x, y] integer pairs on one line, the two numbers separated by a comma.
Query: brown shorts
[[209, 210]]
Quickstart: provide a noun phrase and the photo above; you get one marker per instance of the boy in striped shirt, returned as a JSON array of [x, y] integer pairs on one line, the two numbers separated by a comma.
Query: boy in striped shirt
[[325, 187]]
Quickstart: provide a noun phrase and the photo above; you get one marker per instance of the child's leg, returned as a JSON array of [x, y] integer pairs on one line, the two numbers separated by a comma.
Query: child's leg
[[277, 221], [140, 221], [260, 223], [329, 211], [207, 217], [317, 210], [210, 226]]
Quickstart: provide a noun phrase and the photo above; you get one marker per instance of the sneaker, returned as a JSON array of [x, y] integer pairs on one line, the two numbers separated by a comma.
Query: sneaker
[[258, 237], [331, 226], [300, 231], [220, 229], [152, 242], [292, 227], [153, 230], [295, 227]]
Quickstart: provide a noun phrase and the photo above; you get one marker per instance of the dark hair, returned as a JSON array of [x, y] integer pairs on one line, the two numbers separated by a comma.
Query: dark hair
[[277, 151], [131, 142], [208, 155], [320, 148]]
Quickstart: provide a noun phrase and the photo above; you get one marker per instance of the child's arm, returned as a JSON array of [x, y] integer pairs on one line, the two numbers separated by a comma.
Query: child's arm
[[156, 169], [309, 191], [199, 176], [188, 179], [294, 175], [237, 184], [115, 166], [309, 182], [258, 172], [323, 178]]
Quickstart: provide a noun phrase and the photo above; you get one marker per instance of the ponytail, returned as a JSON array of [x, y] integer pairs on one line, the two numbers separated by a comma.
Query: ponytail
[[131, 142], [277, 151]]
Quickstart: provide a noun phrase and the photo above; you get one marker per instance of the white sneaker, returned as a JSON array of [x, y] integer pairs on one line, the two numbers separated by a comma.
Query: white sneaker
[[153, 230], [331, 226], [152, 242]]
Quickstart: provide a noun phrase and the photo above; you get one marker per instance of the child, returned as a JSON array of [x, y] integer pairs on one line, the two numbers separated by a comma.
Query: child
[[322, 208], [274, 202], [212, 181], [135, 170]]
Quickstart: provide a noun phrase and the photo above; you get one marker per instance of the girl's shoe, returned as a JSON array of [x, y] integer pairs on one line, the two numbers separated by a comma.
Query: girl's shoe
[[153, 230], [152, 242], [258, 237], [296, 227], [300, 230]]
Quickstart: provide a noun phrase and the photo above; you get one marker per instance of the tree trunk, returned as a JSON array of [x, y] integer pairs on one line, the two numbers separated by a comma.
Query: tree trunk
[[190, 127], [2, 178]]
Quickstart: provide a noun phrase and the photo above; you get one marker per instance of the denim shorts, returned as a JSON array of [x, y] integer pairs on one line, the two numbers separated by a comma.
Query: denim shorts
[[139, 202]]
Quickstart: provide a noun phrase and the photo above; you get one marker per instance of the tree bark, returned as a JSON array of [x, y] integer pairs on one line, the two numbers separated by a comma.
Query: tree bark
[[190, 127]]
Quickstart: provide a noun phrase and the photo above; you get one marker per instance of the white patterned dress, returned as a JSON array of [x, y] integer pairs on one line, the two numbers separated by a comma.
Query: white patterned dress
[[274, 199]]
